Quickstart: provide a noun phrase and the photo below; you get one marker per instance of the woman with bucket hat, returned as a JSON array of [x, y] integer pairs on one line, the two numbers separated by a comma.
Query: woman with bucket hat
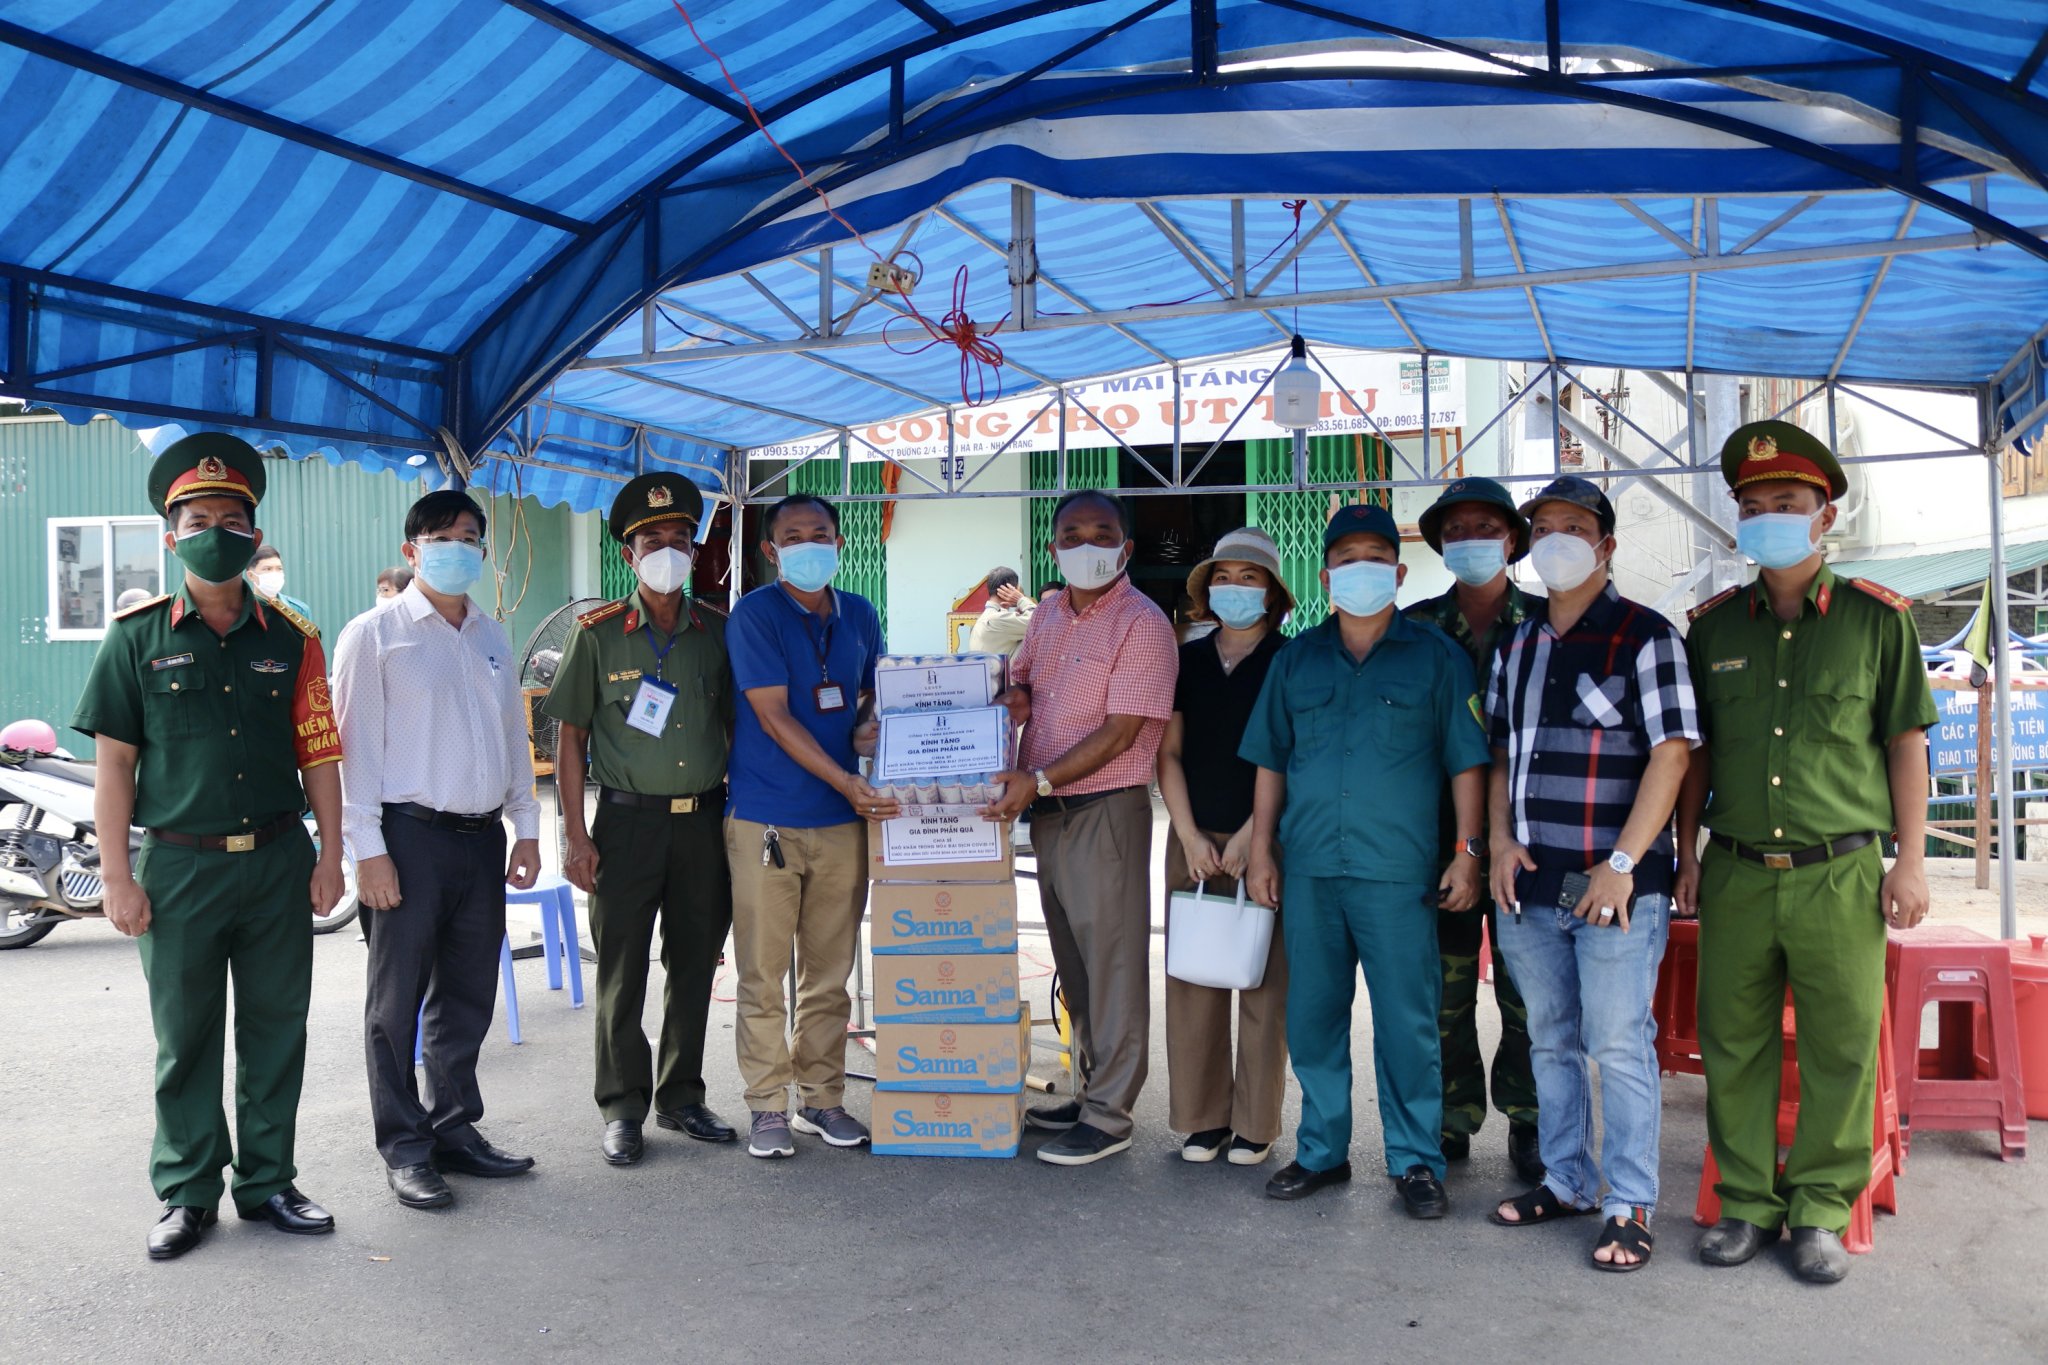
[[1217, 1099]]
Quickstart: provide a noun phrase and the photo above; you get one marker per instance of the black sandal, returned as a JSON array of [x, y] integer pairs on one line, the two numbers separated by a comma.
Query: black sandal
[[1539, 1205], [1631, 1234]]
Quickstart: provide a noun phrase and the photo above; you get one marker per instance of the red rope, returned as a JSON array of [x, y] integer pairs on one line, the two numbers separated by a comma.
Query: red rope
[[978, 354]]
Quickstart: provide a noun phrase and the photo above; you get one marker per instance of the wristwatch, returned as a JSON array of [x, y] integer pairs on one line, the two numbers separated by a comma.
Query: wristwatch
[[1621, 862], [1044, 783], [1474, 847]]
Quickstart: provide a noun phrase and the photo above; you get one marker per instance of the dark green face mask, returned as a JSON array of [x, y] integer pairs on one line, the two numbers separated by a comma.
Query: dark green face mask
[[216, 555]]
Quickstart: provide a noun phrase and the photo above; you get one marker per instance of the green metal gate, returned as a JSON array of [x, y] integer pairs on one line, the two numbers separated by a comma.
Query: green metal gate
[[864, 563], [1296, 520], [1094, 468]]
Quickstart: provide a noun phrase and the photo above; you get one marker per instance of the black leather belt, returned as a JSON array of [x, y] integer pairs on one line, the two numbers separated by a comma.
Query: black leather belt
[[1800, 857], [443, 819], [673, 805], [1050, 805], [227, 843]]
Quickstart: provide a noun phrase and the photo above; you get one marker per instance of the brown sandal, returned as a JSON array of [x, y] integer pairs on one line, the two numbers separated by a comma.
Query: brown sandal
[[1539, 1205]]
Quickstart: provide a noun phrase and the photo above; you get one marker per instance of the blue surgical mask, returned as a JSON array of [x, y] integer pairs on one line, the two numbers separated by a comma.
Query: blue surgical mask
[[1476, 562], [450, 567], [1776, 540], [1363, 587], [1237, 606], [809, 566]]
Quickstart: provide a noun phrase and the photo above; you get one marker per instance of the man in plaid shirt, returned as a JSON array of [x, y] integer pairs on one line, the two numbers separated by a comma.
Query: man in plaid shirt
[[1592, 725]]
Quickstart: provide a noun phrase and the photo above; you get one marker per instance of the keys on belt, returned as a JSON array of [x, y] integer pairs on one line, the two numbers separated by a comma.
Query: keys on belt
[[227, 843]]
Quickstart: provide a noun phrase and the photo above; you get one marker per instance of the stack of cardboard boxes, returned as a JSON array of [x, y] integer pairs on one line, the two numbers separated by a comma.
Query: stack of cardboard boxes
[[952, 1042]]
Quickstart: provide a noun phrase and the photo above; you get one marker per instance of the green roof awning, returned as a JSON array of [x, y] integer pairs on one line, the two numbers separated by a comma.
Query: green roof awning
[[1930, 575]]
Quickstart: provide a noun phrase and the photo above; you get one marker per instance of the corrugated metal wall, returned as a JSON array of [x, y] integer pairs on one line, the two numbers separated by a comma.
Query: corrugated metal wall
[[335, 525]]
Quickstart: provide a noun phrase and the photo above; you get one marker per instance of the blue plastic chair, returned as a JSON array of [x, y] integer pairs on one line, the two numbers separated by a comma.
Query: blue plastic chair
[[557, 902], [419, 1028]]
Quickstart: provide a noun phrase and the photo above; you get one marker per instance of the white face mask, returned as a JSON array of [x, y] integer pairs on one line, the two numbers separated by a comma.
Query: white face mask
[[270, 582], [1563, 561], [1090, 566], [663, 570]]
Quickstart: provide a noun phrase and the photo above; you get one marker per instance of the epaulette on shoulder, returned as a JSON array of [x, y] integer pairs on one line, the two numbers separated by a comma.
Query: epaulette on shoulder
[[1703, 608], [598, 616], [1894, 600], [141, 607], [298, 622]]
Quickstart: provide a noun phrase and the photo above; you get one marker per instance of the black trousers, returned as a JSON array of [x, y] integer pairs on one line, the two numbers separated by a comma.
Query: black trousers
[[651, 866], [438, 947]]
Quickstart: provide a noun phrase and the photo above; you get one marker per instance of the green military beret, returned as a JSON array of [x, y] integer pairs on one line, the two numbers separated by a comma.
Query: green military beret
[[1780, 450], [206, 464], [652, 498]]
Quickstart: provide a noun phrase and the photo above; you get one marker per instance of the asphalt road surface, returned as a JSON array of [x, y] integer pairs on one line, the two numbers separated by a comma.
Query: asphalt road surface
[[701, 1253]]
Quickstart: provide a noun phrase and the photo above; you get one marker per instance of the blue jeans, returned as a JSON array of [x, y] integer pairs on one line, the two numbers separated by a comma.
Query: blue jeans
[[1589, 992]]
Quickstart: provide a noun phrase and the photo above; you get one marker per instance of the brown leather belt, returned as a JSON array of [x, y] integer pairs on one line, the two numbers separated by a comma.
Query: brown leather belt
[[228, 843], [1791, 858], [673, 805]]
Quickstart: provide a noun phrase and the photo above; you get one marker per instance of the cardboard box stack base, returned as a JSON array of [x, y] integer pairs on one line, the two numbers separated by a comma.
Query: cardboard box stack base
[[952, 1040]]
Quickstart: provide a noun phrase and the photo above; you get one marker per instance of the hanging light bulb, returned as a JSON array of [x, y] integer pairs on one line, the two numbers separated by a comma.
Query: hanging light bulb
[[1297, 393]]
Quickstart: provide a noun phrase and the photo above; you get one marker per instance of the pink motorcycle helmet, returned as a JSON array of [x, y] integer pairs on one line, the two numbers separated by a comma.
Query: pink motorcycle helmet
[[34, 736]]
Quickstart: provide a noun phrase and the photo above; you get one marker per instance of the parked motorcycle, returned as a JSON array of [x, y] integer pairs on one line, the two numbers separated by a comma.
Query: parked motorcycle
[[50, 849]]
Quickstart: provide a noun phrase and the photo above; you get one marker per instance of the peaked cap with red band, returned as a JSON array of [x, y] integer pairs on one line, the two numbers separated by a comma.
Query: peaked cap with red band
[[651, 498], [206, 464], [1779, 450]]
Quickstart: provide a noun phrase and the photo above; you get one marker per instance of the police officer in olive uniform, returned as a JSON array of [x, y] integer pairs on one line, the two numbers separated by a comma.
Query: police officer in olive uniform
[[1815, 703], [645, 691], [1477, 529], [212, 725]]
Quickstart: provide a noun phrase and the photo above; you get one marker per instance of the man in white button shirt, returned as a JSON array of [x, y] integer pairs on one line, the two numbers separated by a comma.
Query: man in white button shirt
[[429, 687]]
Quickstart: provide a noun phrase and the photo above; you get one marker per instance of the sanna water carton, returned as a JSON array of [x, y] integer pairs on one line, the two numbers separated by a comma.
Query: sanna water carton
[[962, 988], [922, 918], [981, 1059], [911, 1124]]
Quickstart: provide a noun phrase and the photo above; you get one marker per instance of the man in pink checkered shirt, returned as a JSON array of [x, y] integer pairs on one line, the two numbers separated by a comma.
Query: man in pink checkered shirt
[[1094, 678]]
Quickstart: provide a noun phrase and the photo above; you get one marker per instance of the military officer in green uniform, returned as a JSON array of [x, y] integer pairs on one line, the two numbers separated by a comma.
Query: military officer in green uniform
[[1477, 529], [212, 730], [1815, 704], [644, 692]]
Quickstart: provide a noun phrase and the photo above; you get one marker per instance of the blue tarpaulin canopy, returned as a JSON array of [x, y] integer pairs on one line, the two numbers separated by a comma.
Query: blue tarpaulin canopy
[[553, 233]]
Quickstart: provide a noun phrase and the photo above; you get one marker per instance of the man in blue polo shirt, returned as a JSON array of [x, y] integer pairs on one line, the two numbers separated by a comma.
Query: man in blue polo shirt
[[803, 659], [1360, 723]]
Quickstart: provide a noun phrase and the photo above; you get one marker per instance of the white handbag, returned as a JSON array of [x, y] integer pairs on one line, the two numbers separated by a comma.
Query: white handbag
[[1215, 942]]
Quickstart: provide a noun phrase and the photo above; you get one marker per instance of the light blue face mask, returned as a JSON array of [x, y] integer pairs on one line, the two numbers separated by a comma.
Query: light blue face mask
[[1237, 606], [1476, 562], [449, 567], [1363, 587], [1776, 540], [809, 566]]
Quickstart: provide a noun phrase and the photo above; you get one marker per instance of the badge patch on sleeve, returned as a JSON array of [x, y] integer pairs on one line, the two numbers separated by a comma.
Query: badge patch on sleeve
[[1727, 665], [172, 661], [270, 666], [1477, 714]]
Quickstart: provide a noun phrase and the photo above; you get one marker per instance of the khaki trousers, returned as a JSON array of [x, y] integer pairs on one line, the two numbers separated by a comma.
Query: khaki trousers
[[1094, 884], [1203, 1091], [812, 905]]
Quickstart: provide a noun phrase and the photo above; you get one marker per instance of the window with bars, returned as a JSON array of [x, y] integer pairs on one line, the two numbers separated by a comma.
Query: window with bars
[[864, 563], [1296, 520], [1095, 468]]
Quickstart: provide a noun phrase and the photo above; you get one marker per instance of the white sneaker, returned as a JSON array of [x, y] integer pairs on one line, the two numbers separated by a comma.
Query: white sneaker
[[1204, 1146], [1245, 1153]]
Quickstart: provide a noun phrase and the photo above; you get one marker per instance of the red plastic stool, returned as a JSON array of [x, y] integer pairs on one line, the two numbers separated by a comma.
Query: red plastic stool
[[1885, 1146], [1677, 1001], [1953, 1085]]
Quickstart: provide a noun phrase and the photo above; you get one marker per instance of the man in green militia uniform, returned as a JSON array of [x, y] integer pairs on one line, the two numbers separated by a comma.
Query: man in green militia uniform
[[645, 692], [208, 709], [1816, 705], [1478, 530]]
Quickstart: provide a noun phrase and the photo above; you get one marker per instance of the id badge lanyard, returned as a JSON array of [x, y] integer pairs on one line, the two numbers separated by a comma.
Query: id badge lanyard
[[656, 696], [828, 695]]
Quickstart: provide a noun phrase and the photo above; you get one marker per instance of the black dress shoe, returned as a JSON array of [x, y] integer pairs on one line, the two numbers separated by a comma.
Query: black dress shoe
[[1818, 1256], [1423, 1193], [178, 1231], [1457, 1146], [622, 1142], [1525, 1153], [290, 1211], [420, 1186], [1733, 1242], [697, 1121], [482, 1159], [1296, 1181]]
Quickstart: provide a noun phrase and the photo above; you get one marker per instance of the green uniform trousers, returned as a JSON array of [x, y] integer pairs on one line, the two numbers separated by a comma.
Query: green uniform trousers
[[212, 915], [1820, 930], [652, 865], [1335, 925], [1457, 1024]]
